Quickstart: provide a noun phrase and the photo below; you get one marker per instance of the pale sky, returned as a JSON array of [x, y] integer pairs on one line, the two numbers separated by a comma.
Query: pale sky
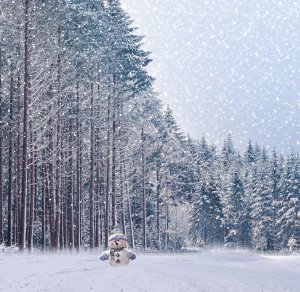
[[227, 66]]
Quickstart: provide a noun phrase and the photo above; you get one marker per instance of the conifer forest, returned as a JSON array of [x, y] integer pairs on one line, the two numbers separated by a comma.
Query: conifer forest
[[87, 146]]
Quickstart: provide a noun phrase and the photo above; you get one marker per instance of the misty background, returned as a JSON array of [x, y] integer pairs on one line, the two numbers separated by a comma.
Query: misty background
[[226, 67]]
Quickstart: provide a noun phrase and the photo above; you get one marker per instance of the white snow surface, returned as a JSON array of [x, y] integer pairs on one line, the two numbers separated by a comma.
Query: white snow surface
[[204, 271]]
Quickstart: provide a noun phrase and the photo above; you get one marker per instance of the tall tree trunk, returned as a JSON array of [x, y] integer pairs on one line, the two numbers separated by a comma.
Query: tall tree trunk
[[167, 225], [62, 233], [158, 207], [51, 192], [98, 152], [1, 188], [106, 227], [33, 188], [113, 167], [29, 193], [97, 204], [121, 157], [122, 203], [70, 238], [43, 215], [58, 144], [129, 204], [22, 239], [92, 239], [10, 162], [144, 190], [48, 203], [77, 240], [81, 184], [18, 164]]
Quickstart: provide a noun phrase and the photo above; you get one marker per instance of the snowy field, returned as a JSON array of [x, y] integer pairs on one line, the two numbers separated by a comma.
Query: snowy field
[[210, 271]]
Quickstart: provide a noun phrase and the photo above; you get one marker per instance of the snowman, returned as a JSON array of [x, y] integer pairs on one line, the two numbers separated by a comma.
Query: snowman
[[118, 253]]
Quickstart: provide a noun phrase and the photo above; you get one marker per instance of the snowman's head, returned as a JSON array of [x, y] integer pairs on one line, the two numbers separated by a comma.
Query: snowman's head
[[117, 240]]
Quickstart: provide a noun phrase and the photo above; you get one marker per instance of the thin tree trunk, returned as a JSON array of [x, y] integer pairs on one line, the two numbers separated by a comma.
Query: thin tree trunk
[[122, 207], [121, 157], [70, 237], [58, 145], [97, 203], [98, 186], [51, 192], [43, 203], [144, 191], [18, 175], [158, 207], [129, 206], [10, 162], [1, 188], [106, 227], [32, 197], [48, 203], [62, 238], [78, 175], [92, 239], [113, 167], [101, 212], [167, 225], [80, 184], [22, 239], [29, 193]]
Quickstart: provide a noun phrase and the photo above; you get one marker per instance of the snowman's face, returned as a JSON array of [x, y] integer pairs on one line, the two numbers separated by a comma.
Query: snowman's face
[[117, 243]]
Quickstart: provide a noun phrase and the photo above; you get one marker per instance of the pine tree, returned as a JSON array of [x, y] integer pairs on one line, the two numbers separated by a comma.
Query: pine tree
[[288, 214], [235, 215], [206, 214], [262, 207]]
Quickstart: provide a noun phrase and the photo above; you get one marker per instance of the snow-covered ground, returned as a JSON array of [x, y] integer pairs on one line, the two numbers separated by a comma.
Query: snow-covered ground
[[210, 271]]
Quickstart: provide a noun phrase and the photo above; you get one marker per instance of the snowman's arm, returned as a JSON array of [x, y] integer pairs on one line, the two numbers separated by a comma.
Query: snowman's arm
[[130, 254], [104, 256]]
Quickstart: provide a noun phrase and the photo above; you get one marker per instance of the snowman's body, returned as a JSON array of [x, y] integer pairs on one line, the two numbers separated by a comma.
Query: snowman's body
[[119, 257], [118, 254]]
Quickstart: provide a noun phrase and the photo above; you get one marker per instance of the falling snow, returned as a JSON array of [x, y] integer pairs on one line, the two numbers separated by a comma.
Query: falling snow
[[227, 66]]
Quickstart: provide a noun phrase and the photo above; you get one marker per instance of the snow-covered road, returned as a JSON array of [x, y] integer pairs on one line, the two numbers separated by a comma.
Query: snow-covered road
[[210, 271]]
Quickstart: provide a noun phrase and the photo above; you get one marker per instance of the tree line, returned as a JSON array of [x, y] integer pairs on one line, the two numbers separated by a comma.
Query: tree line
[[86, 146], [248, 200]]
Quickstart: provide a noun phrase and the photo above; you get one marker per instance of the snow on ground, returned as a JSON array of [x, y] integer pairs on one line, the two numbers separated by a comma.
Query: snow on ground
[[210, 271]]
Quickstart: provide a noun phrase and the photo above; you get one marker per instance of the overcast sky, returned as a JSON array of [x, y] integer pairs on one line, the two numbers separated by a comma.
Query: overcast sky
[[227, 66]]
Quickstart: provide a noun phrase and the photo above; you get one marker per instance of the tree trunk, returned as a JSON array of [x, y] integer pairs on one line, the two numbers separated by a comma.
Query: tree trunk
[[167, 225], [97, 205], [129, 205], [43, 203], [106, 227], [122, 211], [22, 239], [121, 157], [51, 192], [33, 188], [144, 191], [92, 240], [62, 233], [113, 167], [48, 203], [18, 175], [98, 151], [10, 162], [77, 241], [1, 194], [58, 146], [158, 207], [70, 236]]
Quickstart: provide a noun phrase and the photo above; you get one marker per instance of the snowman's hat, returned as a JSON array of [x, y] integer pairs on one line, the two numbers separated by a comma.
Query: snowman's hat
[[117, 235]]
